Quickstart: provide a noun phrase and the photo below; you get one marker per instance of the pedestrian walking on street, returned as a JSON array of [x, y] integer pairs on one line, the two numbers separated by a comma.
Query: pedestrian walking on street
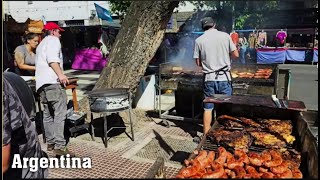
[[50, 83], [212, 52]]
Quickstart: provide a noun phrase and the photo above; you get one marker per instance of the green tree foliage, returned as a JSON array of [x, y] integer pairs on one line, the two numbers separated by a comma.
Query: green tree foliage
[[120, 7], [246, 14]]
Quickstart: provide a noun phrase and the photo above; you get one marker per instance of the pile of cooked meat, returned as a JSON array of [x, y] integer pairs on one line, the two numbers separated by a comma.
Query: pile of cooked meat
[[224, 164], [241, 133], [259, 74]]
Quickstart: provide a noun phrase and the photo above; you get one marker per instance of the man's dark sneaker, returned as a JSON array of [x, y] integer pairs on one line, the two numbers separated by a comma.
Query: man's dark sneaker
[[50, 147], [63, 152]]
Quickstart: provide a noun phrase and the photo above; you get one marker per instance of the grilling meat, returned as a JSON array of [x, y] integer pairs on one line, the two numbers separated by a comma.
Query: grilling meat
[[250, 122], [221, 135], [242, 142], [278, 126], [268, 164], [267, 140], [229, 121], [231, 124], [281, 127]]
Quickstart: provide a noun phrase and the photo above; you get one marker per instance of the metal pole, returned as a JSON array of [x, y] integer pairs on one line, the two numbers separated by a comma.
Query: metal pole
[[105, 130], [130, 117]]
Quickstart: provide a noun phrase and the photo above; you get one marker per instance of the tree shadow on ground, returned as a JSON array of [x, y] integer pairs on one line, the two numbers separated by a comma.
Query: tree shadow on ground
[[187, 126], [113, 120]]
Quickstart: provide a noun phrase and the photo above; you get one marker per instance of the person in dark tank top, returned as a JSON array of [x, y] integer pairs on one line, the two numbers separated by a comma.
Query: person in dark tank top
[[24, 55]]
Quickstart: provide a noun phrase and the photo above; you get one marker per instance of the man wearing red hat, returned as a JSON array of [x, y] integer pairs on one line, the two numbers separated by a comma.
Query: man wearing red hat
[[49, 78]]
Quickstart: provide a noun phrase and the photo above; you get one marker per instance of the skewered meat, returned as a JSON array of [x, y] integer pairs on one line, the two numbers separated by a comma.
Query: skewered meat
[[267, 140]]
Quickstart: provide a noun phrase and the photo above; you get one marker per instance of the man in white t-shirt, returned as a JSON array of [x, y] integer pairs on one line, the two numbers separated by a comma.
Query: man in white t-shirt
[[50, 80], [212, 52]]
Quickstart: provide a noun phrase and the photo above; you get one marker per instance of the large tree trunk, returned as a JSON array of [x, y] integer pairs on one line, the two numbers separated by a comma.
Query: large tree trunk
[[140, 35]]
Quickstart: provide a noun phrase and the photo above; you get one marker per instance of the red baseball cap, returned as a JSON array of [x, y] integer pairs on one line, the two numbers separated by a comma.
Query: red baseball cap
[[51, 26]]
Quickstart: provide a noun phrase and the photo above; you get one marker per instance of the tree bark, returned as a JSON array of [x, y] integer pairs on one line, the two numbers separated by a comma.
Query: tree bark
[[136, 43]]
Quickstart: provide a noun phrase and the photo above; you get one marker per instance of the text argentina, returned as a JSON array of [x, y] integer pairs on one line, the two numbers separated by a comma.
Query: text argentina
[[62, 162]]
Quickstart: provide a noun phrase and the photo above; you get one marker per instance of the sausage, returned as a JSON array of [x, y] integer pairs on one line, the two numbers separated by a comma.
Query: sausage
[[222, 155], [268, 175], [255, 159], [253, 172], [240, 171], [296, 173], [217, 172], [276, 159]]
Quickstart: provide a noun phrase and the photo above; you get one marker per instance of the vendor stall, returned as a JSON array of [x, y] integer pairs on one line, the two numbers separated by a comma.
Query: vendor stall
[[271, 55]]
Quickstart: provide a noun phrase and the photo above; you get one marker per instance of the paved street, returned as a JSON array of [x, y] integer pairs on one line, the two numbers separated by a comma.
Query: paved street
[[304, 84]]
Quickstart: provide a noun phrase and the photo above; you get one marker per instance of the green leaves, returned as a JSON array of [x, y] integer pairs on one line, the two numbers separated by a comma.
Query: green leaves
[[119, 7]]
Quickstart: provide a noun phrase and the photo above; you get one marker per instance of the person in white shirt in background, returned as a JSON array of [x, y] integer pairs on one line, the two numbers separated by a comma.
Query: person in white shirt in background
[[49, 80]]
